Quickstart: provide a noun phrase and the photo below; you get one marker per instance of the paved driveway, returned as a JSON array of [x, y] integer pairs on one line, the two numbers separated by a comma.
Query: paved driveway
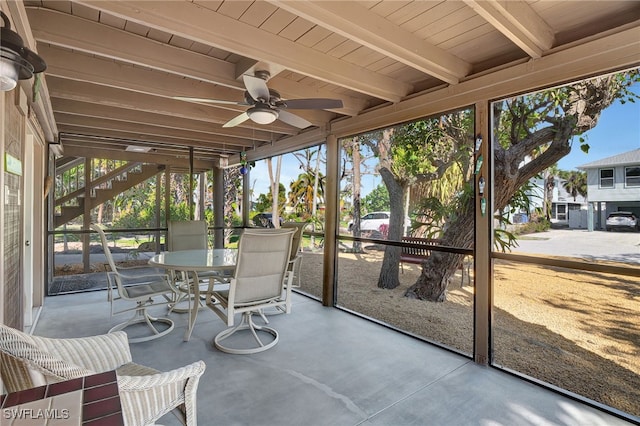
[[616, 246]]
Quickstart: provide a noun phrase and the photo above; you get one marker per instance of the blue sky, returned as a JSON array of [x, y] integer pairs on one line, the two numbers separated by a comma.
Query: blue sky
[[617, 131]]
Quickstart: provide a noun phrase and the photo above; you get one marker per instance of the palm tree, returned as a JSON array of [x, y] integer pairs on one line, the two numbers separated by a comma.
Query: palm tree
[[301, 194], [575, 184]]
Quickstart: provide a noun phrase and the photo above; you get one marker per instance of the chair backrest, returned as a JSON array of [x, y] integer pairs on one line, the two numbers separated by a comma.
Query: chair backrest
[[105, 246], [263, 258], [186, 235], [297, 237]]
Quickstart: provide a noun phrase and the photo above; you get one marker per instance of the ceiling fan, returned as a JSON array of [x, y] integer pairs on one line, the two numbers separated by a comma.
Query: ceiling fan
[[266, 105]]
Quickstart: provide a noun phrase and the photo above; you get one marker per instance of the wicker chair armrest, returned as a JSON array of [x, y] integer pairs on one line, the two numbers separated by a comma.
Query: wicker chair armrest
[[96, 353], [162, 378], [146, 398]]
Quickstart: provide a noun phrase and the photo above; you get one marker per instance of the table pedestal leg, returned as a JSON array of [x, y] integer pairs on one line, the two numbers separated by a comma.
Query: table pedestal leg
[[194, 305]]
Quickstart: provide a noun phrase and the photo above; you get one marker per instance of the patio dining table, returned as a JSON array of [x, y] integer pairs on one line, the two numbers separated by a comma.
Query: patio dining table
[[192, 262]]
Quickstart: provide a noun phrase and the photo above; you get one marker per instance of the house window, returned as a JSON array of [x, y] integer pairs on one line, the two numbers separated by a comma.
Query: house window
[[606, 178], [632, 176], [562, 212]]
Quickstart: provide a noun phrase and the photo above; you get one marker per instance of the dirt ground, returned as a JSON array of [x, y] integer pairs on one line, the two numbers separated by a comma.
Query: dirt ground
[[578, 331]]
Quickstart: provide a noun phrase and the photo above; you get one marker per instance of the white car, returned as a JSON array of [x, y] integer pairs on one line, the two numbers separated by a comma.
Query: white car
[[372, 221], [622, 220]]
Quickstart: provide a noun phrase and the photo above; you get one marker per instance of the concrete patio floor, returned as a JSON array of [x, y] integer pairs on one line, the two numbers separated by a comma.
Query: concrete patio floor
[[329, 368]]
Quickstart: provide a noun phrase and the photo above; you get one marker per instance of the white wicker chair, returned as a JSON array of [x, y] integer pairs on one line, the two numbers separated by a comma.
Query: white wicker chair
[[155, 285], [258, 283], [145, 393]]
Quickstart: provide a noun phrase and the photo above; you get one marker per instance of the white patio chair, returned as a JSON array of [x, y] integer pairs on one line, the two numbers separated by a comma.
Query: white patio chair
[[147, 286], [293, 270], [295, 260], [146, 394], [188, 235], [258, 283]]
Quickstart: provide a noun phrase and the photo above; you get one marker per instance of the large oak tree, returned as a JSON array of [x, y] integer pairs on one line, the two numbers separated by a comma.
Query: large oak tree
[[532, 133]]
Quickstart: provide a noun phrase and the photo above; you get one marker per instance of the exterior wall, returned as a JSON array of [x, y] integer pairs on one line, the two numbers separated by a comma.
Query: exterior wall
[[618, 193], [22, 205], [11, 201]]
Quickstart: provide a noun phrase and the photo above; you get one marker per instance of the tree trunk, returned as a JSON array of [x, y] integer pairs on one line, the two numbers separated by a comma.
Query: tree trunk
[[389, 274], [440, 266]]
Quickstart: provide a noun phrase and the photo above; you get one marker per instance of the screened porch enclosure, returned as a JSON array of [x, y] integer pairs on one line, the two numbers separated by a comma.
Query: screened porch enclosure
[[405, 134]]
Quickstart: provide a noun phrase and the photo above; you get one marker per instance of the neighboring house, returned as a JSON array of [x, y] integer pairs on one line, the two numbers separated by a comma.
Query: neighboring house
[[613, 184], [565, 210]]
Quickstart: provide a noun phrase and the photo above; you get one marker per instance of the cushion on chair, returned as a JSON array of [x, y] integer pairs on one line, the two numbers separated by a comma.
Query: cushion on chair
[[145, 393], [95, 353], [19, 348], [141, 290]]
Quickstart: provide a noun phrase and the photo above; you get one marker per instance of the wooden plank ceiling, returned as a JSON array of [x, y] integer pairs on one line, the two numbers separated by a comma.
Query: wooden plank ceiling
[[116, 68]]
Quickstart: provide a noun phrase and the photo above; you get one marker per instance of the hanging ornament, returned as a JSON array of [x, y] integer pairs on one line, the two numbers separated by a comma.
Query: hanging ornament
[[243, 163]]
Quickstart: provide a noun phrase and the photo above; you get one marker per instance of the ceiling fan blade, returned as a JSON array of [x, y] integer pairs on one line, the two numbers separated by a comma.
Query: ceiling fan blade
[[237, 120], [293, 120], [207, 100], [312, 103], [256, 87]]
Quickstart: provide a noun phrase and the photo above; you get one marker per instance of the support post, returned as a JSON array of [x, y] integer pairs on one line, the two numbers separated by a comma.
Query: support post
[[167, 203], [218, 207], [330, 222], [483, 303], [157, 211], [86, 216], [191, 209], [246, 197]]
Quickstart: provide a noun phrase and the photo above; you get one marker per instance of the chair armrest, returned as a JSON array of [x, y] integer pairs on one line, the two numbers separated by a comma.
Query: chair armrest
[[125, 276], [144, 399], [96, 353], [152, 381]]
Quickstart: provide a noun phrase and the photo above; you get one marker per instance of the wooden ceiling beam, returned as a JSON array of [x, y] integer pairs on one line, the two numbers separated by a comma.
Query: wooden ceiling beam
[[147, 129], [112, 144], [357, 23], [131, 138], [73, 32], [84, 150], [215, 29], [103, 95], [518, 22], [135, 116], [616, 51], [66, 64]]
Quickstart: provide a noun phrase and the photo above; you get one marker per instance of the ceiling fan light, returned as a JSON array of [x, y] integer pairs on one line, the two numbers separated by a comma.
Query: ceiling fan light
[[262, 115]]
